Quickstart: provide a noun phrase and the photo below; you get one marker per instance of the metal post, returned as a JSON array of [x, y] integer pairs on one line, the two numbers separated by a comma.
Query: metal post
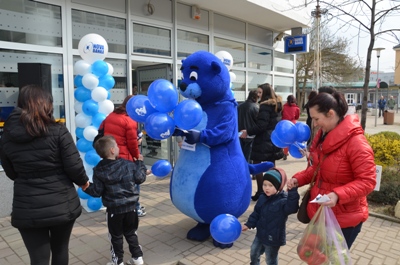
[[378, 54]]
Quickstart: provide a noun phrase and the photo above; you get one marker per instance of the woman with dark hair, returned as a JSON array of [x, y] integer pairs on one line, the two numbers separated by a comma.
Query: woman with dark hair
[[125, 131], [341, 161], [40, 156], [263, 149], [290, 112]]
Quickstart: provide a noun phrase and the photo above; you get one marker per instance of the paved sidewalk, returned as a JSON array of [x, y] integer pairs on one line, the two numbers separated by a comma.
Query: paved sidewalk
[[162, 232]]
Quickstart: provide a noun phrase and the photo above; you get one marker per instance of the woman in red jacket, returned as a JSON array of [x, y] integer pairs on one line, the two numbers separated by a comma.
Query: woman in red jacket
[[290, 112], [343, 162]]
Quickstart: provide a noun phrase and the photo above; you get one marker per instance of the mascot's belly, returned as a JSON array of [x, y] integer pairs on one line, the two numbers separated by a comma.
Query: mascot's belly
[[202, 188]]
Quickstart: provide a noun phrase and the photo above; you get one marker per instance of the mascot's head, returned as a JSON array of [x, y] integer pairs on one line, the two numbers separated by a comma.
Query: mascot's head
[[205, 78]]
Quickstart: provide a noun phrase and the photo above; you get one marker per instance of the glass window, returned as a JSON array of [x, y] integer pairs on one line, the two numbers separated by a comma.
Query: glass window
[[283, 63], [236, 49], [229, 26], [260, 58], [259, 35], [112, 29], [9, 85], [256, 79], [30, 22], [239, 85], [284, 86], [151, 40], [190, 42]]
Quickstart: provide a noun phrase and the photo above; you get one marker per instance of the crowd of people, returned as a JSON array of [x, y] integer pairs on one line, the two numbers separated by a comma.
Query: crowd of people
[[339, 157]]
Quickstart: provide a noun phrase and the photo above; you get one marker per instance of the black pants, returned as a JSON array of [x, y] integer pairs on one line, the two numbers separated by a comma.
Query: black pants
[[120, 225], [41, 242], [381, 111], [351, 233], [246, 145]]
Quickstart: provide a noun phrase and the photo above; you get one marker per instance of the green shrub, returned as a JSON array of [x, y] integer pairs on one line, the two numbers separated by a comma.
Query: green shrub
[[386, 146], [389, 190]]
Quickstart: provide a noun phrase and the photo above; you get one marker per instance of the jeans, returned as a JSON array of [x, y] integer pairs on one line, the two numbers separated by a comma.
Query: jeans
[[46, 241], [381, 110], [351, 233], [257, 249]]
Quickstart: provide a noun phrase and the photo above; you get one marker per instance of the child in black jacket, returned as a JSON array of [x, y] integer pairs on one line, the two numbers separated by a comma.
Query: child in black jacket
[[114, 180], [270, 215]]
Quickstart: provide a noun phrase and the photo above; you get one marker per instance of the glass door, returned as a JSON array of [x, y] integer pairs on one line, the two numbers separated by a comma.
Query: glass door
[[152, 149]]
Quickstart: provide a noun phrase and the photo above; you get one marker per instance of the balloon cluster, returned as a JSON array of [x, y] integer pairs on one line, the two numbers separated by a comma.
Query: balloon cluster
[[155, 109], [227, 59], [294, 136], [225, 228], [93, 79]]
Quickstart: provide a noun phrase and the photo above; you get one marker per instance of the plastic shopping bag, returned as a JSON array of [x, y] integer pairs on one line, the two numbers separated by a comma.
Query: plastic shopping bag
[[323, 241]]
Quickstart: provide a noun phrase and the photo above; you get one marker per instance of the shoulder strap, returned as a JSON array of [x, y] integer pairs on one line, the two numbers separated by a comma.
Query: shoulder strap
[[316, 171]]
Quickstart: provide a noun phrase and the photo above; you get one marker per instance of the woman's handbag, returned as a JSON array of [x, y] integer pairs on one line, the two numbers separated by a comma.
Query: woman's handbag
[[302, 215]]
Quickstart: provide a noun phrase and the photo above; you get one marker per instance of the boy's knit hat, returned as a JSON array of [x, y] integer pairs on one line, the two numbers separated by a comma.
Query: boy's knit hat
[[277, 177]]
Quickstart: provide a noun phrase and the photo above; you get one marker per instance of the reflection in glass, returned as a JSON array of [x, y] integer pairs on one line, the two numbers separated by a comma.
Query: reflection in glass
[[151, 40], [256, 79], [112, 29], [30, 22], [283, 63], [190, 42], [236, 49], [260, 58], [284, 85]]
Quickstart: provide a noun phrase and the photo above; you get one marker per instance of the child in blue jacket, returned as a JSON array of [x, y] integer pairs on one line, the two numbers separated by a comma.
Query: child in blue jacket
[[270, 215]]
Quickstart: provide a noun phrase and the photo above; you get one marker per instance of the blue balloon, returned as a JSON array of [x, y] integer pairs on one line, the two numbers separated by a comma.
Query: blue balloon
[[97, 119], [163, 95], [286, 131], [276, 141], [107, 81], [109, 94], [295, 149], [78, 80], [188, 114], [159, 126], [225, 228], [82, 94], [90, 107], [99, 68], [139, 108], [84, 145], [79, 132], [161, 168], [303, 132], [83, 195], [92, 158], [94, 204]]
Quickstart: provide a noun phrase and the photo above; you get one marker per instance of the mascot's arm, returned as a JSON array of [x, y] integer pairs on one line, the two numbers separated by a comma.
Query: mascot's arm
[[221, 126]]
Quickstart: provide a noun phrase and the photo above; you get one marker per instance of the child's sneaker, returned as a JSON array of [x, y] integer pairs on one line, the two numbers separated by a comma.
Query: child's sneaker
[[142, 208], [112, 263], [141, 213], [135, 261]]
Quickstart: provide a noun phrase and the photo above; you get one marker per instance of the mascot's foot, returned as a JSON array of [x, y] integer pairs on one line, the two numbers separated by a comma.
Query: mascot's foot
[[200, 232], [220, 245]]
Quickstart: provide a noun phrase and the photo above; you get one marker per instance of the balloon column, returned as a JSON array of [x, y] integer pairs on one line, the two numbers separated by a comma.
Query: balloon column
[[155, 109], [93, 79], [227, 59], [294, 136]]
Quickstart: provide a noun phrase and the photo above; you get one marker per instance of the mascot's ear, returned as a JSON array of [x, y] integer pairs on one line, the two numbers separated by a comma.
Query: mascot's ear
[[183, 60], [216, 68]]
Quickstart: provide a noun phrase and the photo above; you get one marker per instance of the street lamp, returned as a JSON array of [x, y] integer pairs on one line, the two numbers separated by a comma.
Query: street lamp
[[378, 54]]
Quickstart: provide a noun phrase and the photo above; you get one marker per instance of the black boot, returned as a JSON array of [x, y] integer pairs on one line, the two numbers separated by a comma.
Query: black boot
[[256, 196]]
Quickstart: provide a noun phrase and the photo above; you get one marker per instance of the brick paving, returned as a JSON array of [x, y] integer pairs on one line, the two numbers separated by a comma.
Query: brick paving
[[162, 233]]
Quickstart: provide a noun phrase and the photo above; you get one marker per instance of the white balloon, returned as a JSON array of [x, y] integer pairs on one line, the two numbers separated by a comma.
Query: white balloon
[[78, 106], [226, 58], [233, 76], [89, 133], [82, 120], [92, 47], [90, 81], [90, 176], [81, 67], [99, 94], [106, 107], [110, 69]]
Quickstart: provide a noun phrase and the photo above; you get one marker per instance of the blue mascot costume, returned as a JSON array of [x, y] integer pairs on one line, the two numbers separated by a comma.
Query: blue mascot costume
[[214, 177]]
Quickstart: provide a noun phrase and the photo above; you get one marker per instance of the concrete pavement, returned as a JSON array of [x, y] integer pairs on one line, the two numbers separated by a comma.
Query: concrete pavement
[[162, 232]]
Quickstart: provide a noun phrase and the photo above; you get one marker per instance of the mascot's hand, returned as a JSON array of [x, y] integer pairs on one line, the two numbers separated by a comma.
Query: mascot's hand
[[192, 137]]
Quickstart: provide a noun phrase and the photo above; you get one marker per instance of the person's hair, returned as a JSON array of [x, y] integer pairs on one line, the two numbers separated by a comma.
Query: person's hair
[[312, 94], [325, 102], [37, 109], [104, 144], [122, 108], [291, 100], [326, 89], [269, 93], [252, 95]]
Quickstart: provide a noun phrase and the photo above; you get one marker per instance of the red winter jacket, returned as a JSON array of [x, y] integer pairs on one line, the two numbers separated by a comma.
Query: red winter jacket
[[290, 112], [124, 130], [348, 169]]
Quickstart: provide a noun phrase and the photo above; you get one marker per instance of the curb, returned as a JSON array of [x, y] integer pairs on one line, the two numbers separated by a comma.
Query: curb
[[385, 217]]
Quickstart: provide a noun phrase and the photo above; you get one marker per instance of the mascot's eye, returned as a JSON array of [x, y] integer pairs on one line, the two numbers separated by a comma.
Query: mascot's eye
[[193, 76]]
